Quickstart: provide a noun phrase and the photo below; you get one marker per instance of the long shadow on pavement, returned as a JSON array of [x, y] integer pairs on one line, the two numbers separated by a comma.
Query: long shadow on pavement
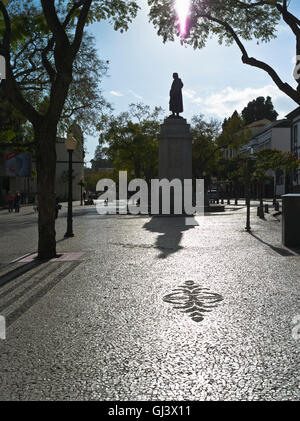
[[279, 250], [19, 271], [171, 230]]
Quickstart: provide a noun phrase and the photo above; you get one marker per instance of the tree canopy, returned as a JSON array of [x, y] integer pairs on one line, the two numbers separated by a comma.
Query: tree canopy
[[234, 134], [231, 21], [259, 109], [129, 140], [84, 102], [206, 150], [275, 159], [56, 32]]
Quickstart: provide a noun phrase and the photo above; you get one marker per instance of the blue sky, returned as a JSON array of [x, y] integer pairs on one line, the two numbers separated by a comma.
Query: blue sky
[[216, 82]]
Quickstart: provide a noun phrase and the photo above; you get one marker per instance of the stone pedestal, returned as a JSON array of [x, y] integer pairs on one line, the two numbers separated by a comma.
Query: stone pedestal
[[291, 220], [175, 152], [175, 155], [175, 149]]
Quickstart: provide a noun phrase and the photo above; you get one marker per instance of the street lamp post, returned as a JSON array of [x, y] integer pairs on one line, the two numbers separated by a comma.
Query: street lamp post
[[248, 179], [71, 144], [248, 227], [81, 183]]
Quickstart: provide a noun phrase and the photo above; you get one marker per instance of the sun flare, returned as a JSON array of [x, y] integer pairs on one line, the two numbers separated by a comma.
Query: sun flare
[[182, 8]]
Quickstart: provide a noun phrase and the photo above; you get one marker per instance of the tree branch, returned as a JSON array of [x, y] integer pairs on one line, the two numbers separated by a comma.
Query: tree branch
[[289, 19], [56, 27], [80, 26], [7, 33], [10, 85], [284, 87], [48, 66], [23, 49], [69, 114], [46, 63]]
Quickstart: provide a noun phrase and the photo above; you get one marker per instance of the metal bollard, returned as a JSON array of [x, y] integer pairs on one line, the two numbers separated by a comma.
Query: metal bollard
[[267, 208], [276, 206], [222, 201], [261, 212], [228, 201], [236, 202]]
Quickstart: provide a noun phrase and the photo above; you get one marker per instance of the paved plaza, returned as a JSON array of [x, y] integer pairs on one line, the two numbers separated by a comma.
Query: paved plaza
[[148, 308]]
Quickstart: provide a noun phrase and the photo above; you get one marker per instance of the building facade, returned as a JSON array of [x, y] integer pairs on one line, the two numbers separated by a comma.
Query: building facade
[[28, 185], [294, 117], [252, 128], [275, 135]]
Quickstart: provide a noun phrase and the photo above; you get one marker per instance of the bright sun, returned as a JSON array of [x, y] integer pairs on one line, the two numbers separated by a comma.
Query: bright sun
[[182, 8]]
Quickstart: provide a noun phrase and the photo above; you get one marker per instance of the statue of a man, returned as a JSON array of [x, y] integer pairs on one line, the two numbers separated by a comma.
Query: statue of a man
[[176, 105]]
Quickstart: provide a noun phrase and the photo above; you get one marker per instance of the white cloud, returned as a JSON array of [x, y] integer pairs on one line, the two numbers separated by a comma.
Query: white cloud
[[135, 94], [223, 103], [198, 100], [191, 94], [116, 93]]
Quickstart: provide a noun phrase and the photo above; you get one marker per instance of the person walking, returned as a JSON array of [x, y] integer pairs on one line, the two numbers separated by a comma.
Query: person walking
[[36, 203], [10, 200], [17, 201], [57, 207]]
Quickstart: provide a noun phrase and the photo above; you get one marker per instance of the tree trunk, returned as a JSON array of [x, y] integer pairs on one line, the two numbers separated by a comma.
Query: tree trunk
[[45, 136]]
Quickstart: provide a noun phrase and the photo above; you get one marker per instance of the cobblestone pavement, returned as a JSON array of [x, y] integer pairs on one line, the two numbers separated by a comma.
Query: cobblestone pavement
[[131, 318]]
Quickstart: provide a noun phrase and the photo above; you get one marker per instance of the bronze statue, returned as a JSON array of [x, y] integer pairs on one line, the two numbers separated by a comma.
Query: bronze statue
[[176, 105]]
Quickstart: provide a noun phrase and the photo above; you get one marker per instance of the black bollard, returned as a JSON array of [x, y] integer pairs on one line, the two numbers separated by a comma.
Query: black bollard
[[236, 202], [261, 212], [228, 201], [267, 208], [276, 206]]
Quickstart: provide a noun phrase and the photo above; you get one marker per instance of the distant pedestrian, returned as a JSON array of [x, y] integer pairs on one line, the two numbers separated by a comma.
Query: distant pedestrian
[[10, 200], [84, 195], [89, 198], [36, 203], [57, 207], [17, 201]]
